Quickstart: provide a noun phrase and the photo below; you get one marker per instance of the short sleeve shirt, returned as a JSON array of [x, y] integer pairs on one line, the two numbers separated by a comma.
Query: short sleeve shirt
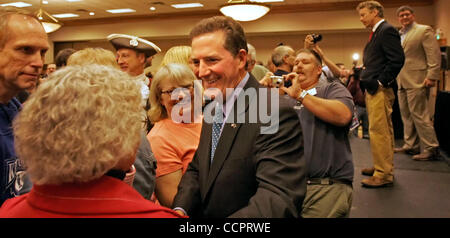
[[327, 147]]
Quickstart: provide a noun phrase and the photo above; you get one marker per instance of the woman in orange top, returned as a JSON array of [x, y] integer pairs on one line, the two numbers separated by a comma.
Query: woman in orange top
[[176, 133]]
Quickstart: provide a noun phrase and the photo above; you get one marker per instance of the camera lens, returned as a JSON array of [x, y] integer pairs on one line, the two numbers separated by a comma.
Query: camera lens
[[316, 38]]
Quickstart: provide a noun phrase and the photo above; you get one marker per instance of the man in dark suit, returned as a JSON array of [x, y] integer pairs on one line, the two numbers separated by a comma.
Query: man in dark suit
[[241, 168], [383, 59]]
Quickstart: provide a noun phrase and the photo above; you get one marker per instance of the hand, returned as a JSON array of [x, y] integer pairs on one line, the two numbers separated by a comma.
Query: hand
[[318, 50], [266, 80], [428, 83], [309, 42], [180, 212], [294, 90]]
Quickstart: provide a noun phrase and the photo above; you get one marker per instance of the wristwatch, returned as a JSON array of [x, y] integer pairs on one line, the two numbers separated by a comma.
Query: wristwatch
[[303, 94]]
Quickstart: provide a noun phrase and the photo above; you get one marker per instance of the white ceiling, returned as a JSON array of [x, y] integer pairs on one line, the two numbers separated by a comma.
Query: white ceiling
[[83, 7]]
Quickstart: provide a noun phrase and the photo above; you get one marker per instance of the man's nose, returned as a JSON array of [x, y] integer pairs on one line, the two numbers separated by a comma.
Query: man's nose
[[203, 70], [37, 60]]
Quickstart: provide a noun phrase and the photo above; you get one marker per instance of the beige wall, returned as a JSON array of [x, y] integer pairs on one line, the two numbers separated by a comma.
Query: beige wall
[[343, 33], [442, 12]]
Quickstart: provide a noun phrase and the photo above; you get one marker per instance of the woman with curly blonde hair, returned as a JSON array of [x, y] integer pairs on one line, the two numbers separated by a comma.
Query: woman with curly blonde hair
[[78, 135]]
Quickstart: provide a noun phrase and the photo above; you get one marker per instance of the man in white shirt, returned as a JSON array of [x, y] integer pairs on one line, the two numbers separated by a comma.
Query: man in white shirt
[[132, 54]]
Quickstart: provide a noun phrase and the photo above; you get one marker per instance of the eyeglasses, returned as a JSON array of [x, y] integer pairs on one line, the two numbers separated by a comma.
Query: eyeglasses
[[404, 15], [183, 88]]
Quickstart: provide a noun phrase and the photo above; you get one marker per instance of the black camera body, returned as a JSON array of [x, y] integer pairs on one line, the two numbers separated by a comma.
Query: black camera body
[[316, 38], [357, 72]]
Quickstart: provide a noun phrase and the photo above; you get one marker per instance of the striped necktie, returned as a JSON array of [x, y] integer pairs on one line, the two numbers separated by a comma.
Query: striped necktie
[[216, 128]]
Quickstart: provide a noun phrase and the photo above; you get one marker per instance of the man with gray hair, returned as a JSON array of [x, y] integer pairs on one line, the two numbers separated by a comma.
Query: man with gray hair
[[283, 58], [23, 44], [256, 70]]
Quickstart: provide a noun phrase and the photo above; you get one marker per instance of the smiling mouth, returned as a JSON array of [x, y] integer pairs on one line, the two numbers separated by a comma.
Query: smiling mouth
[[212, 81]]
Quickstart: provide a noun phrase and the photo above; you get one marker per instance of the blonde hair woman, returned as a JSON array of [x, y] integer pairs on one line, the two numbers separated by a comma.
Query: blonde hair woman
[[176, 133], [178, 54], [93, 56], [78, 135]]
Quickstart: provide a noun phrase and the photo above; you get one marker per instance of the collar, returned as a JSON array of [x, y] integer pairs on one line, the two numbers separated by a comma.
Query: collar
[[378, 24], [405, 30], [236, 92], [143, 78]]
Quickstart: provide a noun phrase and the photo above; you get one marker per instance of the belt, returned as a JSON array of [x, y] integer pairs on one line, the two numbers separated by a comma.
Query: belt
[[326, 181]]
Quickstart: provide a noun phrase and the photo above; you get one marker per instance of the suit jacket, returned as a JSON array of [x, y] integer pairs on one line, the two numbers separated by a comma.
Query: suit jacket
[[383, 58], [252, 174], [423, 57]]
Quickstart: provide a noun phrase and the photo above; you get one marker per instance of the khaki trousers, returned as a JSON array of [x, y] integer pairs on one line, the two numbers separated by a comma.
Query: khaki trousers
[[381, 132], [417, 126], [327, 201]]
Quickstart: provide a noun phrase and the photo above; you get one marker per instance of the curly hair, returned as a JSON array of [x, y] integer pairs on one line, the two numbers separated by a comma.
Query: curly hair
[[79, 124], [93, 56], [179, 73]]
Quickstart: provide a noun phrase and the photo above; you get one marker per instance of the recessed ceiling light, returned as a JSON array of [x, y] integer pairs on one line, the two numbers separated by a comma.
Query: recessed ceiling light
[[16, 4], [124, 10], [65, 15], [92, 13], [74, 0], [261, 1], [187, 5], [152, 8]]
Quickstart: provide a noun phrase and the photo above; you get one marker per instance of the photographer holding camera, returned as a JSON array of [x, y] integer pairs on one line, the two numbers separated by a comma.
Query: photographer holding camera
[[325, 110], [331, 70]]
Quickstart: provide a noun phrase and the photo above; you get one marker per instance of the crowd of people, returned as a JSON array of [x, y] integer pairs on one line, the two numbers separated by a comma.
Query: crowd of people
[[97, 135]]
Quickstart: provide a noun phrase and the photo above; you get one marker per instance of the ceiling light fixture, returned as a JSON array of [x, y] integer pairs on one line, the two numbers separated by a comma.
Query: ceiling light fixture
[[123, 10], [16, 4], [65, 15], [49, 23], [187, 5], [243, 10]]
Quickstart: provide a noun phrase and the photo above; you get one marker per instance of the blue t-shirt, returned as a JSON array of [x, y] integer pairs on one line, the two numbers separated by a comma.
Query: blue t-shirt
[[10, 166]]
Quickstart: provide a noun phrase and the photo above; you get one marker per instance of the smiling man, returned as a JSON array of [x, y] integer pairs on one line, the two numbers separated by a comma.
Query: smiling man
[[237, 171], [132, 53], [23, 44], [421, 70]]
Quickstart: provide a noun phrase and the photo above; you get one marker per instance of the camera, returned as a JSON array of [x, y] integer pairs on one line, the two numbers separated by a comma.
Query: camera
[[356, 72], [277, 80], [316, 38]]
